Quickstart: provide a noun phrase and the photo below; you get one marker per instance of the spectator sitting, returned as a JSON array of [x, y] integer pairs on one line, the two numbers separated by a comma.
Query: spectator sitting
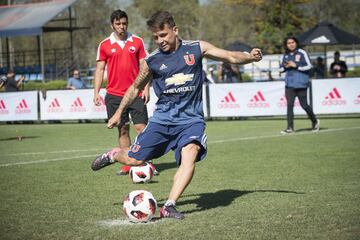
[[319, 69], [338, 68], [76, 82], [11, 85]]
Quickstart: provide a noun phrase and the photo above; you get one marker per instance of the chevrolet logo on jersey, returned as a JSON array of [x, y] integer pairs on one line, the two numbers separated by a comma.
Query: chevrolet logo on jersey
[[179, 79]]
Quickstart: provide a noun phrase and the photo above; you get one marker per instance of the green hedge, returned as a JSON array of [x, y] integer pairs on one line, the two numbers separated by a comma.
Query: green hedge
[[354, 73], [52, 85]]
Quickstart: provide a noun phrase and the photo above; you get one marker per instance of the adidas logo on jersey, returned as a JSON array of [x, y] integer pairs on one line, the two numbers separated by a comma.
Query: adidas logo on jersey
[[163, 66]]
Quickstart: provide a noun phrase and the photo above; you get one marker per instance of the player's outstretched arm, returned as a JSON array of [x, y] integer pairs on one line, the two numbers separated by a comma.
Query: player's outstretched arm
[[141, 80], [234, 57]]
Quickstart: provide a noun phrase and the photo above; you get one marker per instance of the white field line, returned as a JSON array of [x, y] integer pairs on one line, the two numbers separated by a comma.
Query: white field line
[[281, 135], [45, 160], [63, 151], [119, 222], [210, 142]]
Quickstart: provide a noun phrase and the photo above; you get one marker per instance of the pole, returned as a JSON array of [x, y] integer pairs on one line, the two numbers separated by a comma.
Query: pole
[[71, 38], [325, 59], [41, 56], [8, 53]]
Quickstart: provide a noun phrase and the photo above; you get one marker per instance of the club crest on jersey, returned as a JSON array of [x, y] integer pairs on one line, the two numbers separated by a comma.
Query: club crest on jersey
[[135, 148], [189, 59], [132, 49]]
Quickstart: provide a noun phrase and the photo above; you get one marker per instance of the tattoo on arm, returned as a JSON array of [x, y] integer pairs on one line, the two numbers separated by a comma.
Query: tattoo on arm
[[140, 82]]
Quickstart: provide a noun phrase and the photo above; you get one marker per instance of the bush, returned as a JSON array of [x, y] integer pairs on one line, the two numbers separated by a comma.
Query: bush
[[246, 77], [354, 73], [52, 85]]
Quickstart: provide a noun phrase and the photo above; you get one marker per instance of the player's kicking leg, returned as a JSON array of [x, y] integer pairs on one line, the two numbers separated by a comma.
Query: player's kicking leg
[[112, 156], [182, 178]]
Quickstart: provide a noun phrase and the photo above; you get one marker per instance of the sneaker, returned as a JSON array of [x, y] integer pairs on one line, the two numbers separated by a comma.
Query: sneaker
[[287, 131], [104, 160], [170, 212], [155, 172], [316, 126]]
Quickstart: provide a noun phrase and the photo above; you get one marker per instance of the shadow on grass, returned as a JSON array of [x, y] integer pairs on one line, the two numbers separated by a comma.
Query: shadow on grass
[[308, 129], [222, 198], [17, 138], [161, 166]]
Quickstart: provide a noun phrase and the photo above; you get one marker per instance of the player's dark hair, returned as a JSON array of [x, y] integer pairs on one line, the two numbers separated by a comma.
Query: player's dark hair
[[292, 38], [159, 19], [117, 15]]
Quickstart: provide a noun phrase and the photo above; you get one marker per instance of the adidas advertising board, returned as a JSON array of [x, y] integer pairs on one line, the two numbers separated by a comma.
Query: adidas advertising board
[[18, 106], [249, 99], [71, 104], [330, 96], [336, 95]]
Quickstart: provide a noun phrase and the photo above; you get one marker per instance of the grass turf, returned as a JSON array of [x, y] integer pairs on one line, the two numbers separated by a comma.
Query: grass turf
[[254, 184]]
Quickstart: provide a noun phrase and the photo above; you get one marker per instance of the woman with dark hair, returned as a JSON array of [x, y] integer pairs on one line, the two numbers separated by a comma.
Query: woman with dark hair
[[296, 65]]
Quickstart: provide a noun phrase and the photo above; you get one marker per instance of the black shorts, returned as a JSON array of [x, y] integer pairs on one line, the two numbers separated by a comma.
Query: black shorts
[[137, 110]]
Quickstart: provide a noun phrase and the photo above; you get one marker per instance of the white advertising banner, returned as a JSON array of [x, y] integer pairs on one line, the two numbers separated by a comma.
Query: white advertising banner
[[336, 95], [249, 99], [71, 104], [17, 106]]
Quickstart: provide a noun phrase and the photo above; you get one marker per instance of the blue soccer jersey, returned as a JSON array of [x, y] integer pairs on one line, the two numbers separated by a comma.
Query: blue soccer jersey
[[177, 82]]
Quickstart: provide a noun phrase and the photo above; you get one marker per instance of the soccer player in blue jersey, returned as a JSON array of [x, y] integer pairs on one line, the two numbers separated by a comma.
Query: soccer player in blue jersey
[[175, 70]]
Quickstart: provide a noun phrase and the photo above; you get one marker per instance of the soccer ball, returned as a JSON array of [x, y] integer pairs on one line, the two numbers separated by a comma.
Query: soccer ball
[[139, 206], [141, 174]]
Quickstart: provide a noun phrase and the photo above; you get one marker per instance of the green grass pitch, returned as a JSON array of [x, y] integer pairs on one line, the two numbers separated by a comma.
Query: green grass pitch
[[253, 184]]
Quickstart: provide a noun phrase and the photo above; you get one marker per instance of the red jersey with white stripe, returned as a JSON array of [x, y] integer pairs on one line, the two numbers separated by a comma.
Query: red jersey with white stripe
[[122, 60]]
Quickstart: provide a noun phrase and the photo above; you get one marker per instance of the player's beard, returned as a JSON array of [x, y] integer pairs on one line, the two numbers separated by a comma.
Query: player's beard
[[122, 35]]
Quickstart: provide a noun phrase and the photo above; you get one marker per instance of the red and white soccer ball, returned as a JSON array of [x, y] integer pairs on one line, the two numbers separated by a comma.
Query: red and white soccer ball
[[139, 206], [141, 174]]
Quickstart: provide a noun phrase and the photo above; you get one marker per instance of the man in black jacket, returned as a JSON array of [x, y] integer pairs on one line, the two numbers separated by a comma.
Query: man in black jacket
[[338, 68]]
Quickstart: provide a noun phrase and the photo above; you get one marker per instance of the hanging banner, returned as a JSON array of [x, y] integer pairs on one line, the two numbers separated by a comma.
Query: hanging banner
[[17, 106], [336, 95], [71, 104]]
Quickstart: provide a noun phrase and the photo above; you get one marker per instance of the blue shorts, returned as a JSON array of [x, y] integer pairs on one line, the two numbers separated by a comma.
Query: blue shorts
[[156, 140]]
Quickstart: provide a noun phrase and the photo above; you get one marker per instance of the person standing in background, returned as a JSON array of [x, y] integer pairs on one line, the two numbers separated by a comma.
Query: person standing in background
[[123, 53], [10, 83], [296, 65], [338, 68]]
